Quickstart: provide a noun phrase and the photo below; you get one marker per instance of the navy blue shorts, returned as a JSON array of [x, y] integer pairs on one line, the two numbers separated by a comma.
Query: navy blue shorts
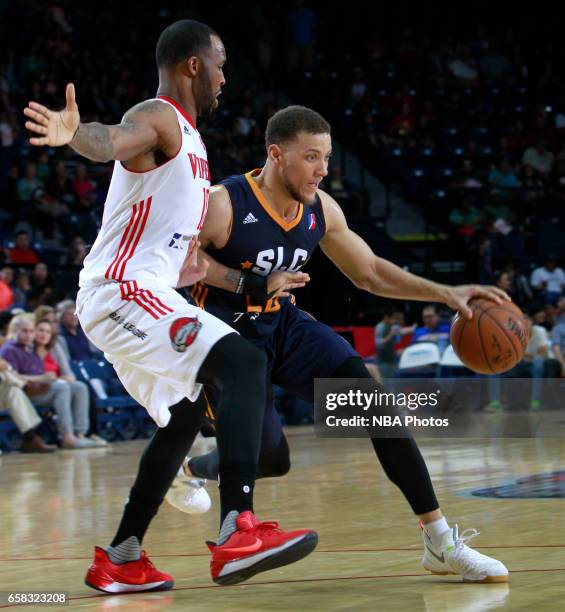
[[300, 350]]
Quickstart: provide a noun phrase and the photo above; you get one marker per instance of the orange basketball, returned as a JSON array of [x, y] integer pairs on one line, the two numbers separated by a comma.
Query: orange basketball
[[494, 340]]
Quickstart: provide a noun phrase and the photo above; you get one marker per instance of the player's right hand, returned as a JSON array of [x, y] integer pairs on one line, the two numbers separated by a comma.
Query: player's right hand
[[280, 283], [54, 128]]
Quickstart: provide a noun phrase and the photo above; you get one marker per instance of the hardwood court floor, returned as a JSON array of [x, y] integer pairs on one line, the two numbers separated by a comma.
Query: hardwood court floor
[[54, 508]]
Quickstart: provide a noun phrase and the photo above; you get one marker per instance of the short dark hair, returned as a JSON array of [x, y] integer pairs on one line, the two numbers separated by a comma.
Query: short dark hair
[[181, 40], [288, 122]]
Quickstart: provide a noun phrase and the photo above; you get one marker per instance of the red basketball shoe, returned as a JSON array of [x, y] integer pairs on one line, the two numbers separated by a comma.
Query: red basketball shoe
[[134, 576], [257, 547]]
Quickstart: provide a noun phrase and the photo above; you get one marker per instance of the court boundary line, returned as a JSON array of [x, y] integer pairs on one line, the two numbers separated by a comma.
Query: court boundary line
[[330, 551], [290, 581]]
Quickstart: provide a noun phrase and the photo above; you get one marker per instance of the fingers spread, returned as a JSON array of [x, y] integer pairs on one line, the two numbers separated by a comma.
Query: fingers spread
[[38, 142], [40, 109], [37, 117], [33, 127]]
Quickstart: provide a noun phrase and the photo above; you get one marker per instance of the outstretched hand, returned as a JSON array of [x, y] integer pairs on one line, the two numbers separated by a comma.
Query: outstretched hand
[[459, 297], [54, 128]]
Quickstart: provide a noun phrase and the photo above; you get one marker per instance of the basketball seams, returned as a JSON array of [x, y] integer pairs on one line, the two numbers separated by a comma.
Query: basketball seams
[[486, 359], [508, 336]]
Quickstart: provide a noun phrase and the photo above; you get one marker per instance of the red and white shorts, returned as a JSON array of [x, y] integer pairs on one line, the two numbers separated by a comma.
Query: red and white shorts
[[154, 338]]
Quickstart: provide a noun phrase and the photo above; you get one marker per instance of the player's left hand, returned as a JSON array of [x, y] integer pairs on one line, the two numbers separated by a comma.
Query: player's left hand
[[194, 268], [458, 297]]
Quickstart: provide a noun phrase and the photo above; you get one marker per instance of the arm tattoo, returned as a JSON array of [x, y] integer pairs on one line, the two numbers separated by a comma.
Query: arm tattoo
[[232, 277], [94, 140]]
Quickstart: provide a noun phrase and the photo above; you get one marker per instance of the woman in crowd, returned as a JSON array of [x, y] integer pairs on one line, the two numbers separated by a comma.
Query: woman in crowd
[[44, 388], [55, 360]]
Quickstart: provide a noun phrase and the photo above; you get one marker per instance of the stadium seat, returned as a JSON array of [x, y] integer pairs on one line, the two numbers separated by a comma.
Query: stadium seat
[[451, 366], [419, 360]]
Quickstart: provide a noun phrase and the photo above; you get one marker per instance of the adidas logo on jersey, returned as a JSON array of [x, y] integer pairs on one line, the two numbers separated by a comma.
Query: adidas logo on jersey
[[186, 130], [250, 219]]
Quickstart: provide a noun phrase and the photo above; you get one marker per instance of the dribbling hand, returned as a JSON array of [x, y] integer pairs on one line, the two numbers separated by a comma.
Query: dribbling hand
[[54, 128], [459, 297]]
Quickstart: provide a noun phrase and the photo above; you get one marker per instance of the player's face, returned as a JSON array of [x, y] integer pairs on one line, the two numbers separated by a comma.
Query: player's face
[[304, 164], [210, 80]]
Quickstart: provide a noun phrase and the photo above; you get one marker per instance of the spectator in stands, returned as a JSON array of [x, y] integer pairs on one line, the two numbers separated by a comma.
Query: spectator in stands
[[5, 317], [503, 178], [516, 284], [61, 188], [43, 166], [76, 342], [21, 289], [55, 360], [532, 366], [43, 387], [494, 65], [548, 280], [432, 330], [539, 158], [386, 336], [558, 337], [302, 31], [6, 293], [388, 333], [22, 254], [463, 67], [41, 291], [245, 123], [45, 313], [15, 401], [467, 177], [29, 186], [84, 188], [497, 208], [532, 186], [466, 218], [402, 124]]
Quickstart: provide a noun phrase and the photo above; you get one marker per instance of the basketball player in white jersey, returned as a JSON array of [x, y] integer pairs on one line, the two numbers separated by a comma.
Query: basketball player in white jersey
[[162, 348]]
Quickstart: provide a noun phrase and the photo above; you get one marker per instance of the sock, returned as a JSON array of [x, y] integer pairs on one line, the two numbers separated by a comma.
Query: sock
[[436, 529], [227, 528], [236, 483], [125, 552]]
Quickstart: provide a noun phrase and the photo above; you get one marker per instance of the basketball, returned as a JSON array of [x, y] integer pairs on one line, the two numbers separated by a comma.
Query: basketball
[[494, 340]]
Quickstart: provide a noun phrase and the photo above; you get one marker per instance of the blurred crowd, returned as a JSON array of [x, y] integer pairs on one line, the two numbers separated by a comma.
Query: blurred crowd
[[544, 356], [468, 126], [39, 352]]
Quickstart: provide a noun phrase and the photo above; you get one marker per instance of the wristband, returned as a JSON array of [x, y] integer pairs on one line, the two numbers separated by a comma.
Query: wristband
[[254, 286]]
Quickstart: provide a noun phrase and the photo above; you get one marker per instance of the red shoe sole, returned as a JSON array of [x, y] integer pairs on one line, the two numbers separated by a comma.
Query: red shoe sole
[[166, 586], [294, 553]]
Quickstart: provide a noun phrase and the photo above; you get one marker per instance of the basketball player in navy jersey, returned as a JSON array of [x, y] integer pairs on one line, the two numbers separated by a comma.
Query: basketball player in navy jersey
[[260, 230]]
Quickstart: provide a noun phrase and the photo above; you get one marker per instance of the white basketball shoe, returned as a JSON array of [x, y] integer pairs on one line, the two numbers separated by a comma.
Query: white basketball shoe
[[453, 556], [188, 494]]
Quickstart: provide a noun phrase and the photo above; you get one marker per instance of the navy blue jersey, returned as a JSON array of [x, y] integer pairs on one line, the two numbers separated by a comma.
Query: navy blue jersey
[[262, 242]]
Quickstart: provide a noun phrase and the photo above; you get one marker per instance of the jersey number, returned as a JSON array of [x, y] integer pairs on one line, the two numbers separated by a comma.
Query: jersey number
[[271, 305]]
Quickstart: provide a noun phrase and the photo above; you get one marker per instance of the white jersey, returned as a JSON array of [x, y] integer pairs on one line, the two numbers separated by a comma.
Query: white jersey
[[149, 217]]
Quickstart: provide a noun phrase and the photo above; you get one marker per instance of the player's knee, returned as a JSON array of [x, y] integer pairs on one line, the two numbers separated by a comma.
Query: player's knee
[[246, 358]]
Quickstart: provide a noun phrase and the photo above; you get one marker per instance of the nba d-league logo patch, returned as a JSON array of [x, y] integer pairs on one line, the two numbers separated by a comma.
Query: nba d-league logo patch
[[311, 221], [183, 332]]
